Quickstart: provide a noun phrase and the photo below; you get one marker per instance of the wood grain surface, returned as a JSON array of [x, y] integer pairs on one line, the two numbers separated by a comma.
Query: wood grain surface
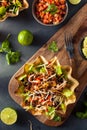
[[77, 25]]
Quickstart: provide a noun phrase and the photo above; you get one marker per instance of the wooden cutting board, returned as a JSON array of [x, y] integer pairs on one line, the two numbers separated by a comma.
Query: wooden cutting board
[[77, 25]]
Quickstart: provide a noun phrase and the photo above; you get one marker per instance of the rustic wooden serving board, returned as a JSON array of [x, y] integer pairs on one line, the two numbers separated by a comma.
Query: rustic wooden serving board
[[77, 25]]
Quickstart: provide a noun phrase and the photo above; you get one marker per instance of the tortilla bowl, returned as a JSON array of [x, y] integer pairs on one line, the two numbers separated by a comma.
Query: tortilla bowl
[[45, 89], [7, 14]]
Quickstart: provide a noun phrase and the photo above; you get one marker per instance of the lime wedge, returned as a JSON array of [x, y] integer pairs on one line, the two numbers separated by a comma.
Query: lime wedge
[[8, 116], [74, 2]]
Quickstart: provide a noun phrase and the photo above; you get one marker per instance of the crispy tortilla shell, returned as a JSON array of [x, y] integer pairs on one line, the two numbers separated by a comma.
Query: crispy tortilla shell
[[74, 83], [24, 6]]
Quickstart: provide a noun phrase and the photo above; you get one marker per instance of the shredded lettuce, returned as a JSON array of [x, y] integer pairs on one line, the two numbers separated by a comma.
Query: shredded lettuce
[[12, 57], [43, 70], [53, 46], [67, 92], [63, 107], [22, 77], [52, 114], [58, 70]]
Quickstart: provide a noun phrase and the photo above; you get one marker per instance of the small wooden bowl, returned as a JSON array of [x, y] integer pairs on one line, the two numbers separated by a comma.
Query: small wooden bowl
[[39, 21]]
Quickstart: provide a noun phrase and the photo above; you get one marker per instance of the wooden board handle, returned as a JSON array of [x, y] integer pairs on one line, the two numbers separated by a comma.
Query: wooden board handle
[[74, 67]]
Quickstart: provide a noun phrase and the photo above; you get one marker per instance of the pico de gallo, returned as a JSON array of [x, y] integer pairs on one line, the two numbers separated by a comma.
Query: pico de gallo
[[45, 89], [50, 11]]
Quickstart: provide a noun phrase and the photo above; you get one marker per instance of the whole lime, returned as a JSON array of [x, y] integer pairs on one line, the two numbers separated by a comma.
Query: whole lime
[[2, 10], [25, 37]]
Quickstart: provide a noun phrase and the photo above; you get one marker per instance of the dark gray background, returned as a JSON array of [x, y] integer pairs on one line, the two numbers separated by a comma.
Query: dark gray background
[[41, 34]]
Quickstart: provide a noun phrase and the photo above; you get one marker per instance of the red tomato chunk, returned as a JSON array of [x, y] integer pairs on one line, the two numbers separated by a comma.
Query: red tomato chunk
[[50, 11]]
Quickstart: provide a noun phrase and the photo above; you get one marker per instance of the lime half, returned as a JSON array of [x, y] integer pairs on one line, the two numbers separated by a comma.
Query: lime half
[[25, 37], [74, 1], [85, 42], [8, 116], [84, 50]]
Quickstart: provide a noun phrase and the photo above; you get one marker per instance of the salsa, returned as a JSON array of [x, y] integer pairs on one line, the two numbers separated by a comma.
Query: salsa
[[50, 11]]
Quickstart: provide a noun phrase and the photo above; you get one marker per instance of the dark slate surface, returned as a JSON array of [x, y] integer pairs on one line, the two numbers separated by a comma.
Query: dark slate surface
[[41, 34]]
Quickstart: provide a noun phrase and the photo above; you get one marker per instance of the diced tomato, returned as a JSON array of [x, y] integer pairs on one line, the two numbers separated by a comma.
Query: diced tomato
[[38, 80], [41, 100], [4, 3], [49, 97], [30, 99], [46, 110], [49, 103], [46, 16], [62, 1]]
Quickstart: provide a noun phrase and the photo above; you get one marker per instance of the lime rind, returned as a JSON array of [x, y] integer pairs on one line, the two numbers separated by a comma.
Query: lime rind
[[74, 2]]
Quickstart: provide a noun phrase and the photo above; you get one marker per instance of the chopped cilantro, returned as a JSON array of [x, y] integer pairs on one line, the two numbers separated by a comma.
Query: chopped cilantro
[[11, 56], [5, 47], [67, 92], [57, 118], [52, 8], [52, 114], [43, 70], [58, 70], [53, 46]]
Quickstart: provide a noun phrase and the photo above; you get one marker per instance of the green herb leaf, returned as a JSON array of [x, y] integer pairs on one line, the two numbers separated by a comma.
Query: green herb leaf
[[63, 107], [32, 69], [67, 92], [58, 70], [18, 3], [82, 115], [53, 46], [52, 114], [64, 73], [85, 103], [52, 8], [5, 45], [1, 50], [43, 70], [12, 57], [57, 118]]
